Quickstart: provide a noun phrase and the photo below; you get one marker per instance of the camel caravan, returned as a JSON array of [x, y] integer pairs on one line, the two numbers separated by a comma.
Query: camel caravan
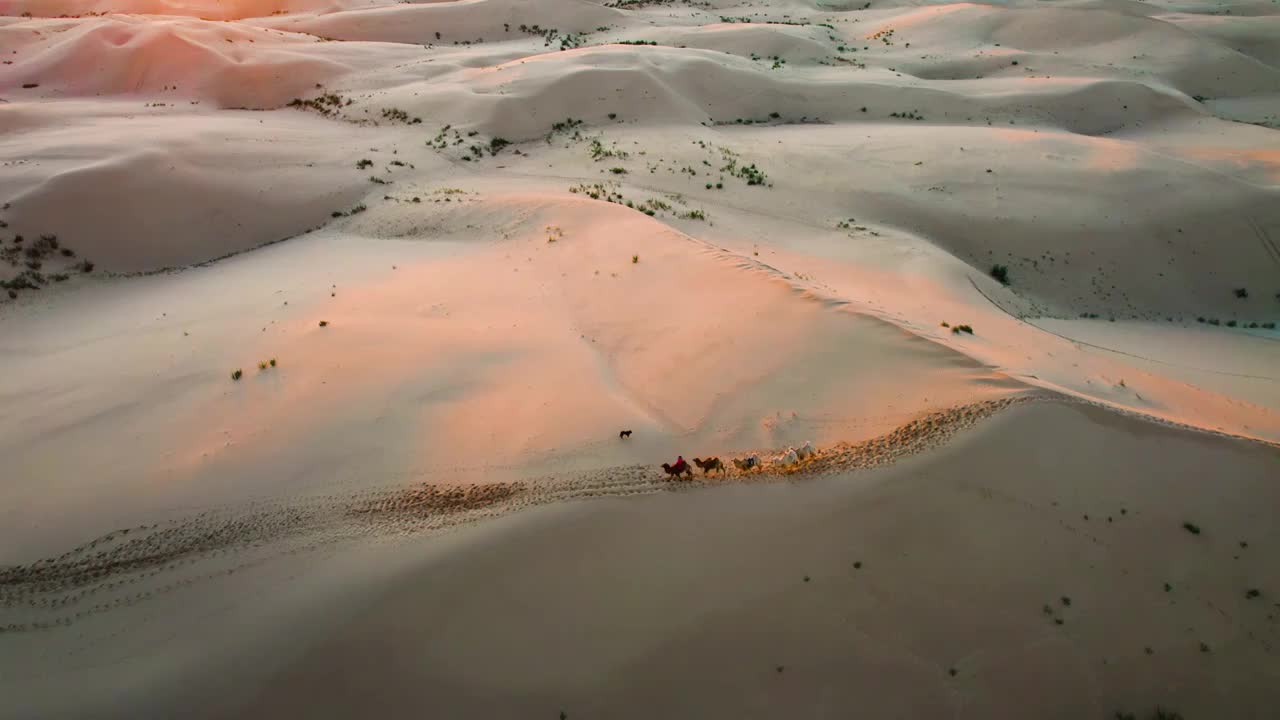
[[788, 459]]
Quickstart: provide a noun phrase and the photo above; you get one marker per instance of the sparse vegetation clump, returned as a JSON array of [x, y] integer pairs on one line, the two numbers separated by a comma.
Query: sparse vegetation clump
[[237, 374], [353, 211], [961, 329], [752, 174], [565, 126], [568, 41], [1242, 293], [599, 151], [442, 140], [1191, 528], [598, 191], [398, 115], [328, 105], [1000, 273]]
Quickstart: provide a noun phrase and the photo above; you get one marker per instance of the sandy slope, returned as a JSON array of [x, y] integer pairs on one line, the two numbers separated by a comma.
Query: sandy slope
[[512, 229], [753, 600]]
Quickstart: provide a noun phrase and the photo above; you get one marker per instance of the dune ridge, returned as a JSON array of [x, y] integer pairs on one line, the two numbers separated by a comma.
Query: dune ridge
[[137, 564]]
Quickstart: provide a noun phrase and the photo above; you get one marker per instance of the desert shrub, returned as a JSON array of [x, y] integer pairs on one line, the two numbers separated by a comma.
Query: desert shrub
[[752, 174], [1191, 528], [237, 374], [398, 115], [1242, 293], [1000, 273], [25, 280]]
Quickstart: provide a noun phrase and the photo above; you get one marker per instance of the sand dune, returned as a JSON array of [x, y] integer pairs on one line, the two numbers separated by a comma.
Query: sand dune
[[1064, 566], [221, 10], [467, 21], [502, 231], [146, 190], [179, 60]]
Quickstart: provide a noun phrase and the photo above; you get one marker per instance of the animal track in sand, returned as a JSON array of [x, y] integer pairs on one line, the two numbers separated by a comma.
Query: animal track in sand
[[129, 566]]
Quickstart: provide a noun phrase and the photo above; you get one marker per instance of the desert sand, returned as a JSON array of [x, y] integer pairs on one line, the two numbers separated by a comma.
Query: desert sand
[[320, 320]]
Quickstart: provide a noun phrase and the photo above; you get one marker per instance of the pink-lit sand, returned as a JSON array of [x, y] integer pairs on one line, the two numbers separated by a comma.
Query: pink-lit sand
[[491, 234]]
